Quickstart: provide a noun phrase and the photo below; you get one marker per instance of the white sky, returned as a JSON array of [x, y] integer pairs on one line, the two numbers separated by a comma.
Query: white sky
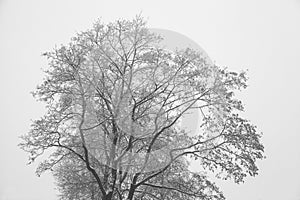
[[260, 35]]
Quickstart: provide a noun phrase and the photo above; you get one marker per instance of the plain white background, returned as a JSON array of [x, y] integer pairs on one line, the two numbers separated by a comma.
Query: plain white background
[[259, 35]]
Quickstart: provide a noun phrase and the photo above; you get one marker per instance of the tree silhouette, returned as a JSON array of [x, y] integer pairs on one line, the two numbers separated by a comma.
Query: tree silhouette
[[115, 100]]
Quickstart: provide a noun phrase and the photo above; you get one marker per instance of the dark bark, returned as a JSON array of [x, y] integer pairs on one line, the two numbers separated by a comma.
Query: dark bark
[[131, 192]]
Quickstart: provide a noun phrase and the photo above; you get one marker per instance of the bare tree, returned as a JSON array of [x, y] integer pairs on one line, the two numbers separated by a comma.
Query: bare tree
[[115, 100], [75, 182]]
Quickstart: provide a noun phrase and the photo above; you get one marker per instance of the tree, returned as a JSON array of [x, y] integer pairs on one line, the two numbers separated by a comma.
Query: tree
[[175, 183], [114, 104], [74, 181]]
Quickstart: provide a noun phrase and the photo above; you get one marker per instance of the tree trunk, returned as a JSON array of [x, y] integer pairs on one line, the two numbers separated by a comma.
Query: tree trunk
[[131, 192], [108, 196]]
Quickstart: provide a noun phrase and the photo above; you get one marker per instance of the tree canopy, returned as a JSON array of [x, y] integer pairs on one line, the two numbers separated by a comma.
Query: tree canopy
[[115, 100]]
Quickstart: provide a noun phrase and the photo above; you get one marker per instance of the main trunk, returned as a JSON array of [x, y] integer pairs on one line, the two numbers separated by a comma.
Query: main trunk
[[131, 193]]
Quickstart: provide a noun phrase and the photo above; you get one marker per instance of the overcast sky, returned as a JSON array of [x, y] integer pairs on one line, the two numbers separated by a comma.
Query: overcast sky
[[259, 35]]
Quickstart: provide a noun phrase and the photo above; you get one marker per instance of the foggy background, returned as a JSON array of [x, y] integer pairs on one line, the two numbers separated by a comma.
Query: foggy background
[[261, 36]]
